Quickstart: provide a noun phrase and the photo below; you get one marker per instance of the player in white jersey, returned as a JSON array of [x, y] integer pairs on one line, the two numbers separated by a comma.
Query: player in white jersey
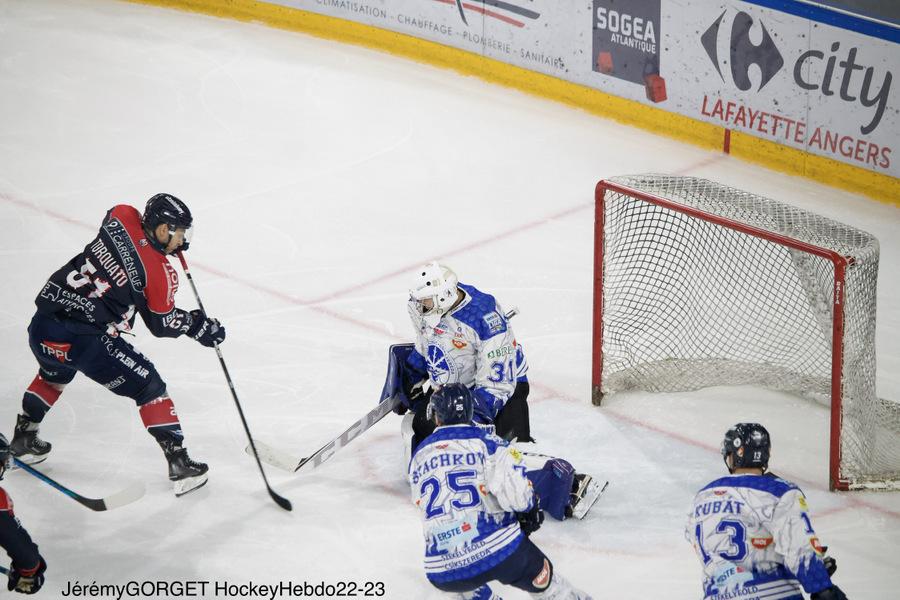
[[464, 336], [478, 508], [752, 531]]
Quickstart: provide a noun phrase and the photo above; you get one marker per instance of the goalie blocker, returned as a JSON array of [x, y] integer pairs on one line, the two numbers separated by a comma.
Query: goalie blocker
[[563, 492]]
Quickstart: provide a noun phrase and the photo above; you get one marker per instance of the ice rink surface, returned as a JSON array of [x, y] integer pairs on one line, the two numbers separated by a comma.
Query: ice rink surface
[[320, 175]]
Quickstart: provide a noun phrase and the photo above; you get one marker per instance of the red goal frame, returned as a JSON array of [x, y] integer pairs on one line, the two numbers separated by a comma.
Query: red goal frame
[[837, 482]]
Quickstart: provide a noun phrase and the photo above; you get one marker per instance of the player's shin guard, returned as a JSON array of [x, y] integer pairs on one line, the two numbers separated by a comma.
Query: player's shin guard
[[39, 398], [162, 423]]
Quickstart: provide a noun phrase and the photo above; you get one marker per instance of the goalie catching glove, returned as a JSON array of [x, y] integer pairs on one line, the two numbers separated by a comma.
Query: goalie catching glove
[[208, 332]]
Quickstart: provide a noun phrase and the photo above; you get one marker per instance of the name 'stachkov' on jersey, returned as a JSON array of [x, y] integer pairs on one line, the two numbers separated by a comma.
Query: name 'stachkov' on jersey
[[468, 484], [115, 275], [755, 539], [472, 345]]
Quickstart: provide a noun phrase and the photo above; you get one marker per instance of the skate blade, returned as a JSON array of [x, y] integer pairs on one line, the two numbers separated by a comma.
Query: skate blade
[[30, 459], [189, 484], [590, 496]]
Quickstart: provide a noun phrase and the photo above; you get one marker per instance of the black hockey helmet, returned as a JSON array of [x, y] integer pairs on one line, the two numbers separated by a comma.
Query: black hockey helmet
[[748, 444], [452, 404], [166, 208], [5, 456]]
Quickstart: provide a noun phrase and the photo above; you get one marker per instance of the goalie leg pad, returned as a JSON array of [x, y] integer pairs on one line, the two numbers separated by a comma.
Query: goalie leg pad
[[553, 484]]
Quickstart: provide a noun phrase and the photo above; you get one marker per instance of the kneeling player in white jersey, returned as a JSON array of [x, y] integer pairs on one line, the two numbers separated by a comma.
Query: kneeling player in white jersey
[[464, 336], [478, 508], [752, 531]]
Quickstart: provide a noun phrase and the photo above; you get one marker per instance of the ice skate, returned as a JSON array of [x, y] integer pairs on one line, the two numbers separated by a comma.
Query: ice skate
[[26, 445], [187, 474], [585, 492]]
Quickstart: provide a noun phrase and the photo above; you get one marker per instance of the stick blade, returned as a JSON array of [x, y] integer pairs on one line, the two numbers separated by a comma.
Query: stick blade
[[281, 501], [132, 493], [274, 457]]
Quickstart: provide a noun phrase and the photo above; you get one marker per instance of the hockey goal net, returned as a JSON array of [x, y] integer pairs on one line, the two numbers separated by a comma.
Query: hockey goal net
[[698, 284]]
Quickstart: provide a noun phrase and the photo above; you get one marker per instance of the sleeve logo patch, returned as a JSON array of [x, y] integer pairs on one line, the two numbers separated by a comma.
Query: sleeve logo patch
[[494, 322]]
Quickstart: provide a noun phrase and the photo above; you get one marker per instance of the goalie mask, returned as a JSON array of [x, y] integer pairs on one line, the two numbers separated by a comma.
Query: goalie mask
[[435, 293], [748, 444]]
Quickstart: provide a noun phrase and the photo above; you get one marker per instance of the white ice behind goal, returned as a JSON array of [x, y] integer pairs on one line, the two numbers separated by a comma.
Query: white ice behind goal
[[698, 284]]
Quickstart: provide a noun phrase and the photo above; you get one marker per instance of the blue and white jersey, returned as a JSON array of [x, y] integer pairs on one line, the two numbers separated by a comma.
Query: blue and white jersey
[[754, 537], [473, 345], [468, 484]]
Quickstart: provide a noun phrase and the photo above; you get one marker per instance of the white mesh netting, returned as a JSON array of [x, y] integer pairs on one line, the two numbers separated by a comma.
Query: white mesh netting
[[689, 303]]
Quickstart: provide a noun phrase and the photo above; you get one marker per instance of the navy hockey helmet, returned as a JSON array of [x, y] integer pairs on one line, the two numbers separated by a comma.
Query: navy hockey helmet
[[166, 208], [452, 404], [748, 444], [5, 456]]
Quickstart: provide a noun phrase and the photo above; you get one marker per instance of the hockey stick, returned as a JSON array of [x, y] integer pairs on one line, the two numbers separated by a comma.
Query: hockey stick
[[126, 496], [279, 500], [283, 460], [289, 462]]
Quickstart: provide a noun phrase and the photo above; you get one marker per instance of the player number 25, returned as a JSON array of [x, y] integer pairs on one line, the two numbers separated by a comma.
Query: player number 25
[[458, 483]]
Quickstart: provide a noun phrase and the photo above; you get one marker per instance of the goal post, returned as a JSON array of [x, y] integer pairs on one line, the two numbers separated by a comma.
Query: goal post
[[697, 284]]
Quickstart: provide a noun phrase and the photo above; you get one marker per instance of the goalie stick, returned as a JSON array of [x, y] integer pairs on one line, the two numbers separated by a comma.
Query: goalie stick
[[127, 496], [288, 462]]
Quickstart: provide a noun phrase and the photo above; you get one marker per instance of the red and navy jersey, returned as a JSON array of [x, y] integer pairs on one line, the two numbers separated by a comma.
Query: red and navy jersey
[[13, 537], [117, 274]]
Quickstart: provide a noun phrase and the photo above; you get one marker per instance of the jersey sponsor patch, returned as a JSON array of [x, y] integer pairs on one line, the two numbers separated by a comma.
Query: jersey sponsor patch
[[814, 542], [57, 350], [761, 542], [455, 534]]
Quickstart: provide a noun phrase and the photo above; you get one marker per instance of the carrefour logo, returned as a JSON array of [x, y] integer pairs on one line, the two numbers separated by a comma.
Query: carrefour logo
[[744, 53], [833, 70]]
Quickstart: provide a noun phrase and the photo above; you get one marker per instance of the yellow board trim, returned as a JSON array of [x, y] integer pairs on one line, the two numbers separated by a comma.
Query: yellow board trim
[[879, 186]]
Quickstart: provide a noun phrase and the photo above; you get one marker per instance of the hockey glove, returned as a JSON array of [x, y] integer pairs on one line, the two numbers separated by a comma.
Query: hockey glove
[[486, 406], [531, 520], [418, 392], [830, 563], [26, 581], [208, 332], [832, 593]]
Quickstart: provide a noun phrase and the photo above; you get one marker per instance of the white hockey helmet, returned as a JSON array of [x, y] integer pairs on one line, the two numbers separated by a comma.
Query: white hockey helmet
[[434, 292]]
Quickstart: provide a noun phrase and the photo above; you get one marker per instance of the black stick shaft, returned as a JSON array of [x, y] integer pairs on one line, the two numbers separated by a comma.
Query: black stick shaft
[[279, 500]]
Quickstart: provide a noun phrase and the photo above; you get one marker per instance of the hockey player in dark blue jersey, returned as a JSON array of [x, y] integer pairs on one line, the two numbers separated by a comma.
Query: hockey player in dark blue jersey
[[478, 508], [26, 575], [86, 306], [752, 531], [464, 336]]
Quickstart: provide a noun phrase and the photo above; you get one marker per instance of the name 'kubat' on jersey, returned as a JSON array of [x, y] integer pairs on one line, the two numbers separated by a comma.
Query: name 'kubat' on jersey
[[117, 274], [754, 537]]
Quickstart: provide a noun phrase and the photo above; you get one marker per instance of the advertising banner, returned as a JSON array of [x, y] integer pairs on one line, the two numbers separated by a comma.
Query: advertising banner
[[800, 83]]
